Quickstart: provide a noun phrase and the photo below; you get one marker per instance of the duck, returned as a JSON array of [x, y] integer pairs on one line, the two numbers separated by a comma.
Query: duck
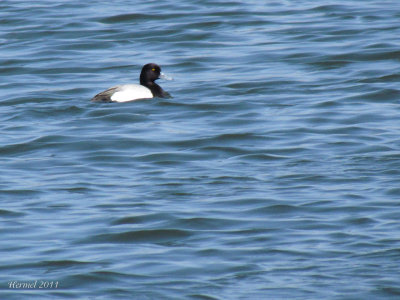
[[130, 92]]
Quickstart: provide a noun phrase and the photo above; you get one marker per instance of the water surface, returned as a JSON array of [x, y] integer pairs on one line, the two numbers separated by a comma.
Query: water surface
[[272, 173]]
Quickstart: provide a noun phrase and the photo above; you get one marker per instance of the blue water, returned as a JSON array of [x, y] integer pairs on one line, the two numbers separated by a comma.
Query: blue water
[[272, 173]]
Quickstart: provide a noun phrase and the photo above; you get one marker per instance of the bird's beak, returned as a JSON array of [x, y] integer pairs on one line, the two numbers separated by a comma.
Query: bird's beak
[[165, 77]]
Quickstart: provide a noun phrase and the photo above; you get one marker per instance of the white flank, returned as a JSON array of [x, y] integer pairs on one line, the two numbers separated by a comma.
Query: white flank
[[130, 92]]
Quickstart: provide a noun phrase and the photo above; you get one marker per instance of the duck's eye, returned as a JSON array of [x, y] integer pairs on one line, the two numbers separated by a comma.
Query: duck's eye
[[153, 70]]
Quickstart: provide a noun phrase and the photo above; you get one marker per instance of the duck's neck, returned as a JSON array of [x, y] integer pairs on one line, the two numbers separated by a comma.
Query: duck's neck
[[155, 89]]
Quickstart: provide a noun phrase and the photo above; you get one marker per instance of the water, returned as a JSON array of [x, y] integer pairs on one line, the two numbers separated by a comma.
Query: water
[[273, 173]]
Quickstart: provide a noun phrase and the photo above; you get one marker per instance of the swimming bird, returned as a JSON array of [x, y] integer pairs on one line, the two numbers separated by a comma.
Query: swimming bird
[[129, 92]]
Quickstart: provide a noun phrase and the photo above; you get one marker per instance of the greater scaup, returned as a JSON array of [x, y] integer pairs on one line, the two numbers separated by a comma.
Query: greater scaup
[[129, 92]]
